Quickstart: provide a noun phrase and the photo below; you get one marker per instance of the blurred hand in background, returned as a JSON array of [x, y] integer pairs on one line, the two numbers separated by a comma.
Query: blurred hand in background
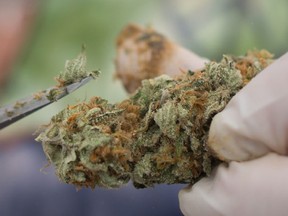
[[16, 18]]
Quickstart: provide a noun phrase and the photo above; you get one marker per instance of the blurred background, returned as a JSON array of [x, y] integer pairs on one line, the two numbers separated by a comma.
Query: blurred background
[[37, 37]]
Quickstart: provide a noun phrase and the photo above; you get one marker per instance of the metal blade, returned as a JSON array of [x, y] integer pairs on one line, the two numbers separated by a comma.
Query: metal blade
[[23, 107]]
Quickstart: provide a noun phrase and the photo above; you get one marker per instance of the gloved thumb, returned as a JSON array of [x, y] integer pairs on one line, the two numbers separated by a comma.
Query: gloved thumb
[[255, 121]]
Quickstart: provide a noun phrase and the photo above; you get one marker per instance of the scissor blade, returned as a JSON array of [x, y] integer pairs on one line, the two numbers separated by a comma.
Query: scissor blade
[[23, 107]]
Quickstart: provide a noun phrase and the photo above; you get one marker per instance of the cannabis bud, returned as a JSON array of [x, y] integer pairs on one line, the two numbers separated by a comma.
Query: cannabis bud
[[156, 136], [75, 70]]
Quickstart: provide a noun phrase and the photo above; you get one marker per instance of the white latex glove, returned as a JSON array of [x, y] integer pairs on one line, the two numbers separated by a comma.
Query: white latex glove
[[138, 59], [253, 124]]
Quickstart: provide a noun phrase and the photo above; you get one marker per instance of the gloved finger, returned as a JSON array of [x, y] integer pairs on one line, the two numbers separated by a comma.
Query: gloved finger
[[255, 121], [143, 53], [256, 187]]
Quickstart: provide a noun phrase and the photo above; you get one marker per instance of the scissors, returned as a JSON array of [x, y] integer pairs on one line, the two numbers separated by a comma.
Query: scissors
[[15, 111]]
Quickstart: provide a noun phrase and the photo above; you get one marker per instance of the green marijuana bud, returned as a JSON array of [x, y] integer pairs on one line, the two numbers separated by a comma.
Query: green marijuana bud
[[156, 136], [75, 70]]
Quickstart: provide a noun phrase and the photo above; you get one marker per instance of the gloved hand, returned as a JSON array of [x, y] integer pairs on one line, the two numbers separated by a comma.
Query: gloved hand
[[253, 130]]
